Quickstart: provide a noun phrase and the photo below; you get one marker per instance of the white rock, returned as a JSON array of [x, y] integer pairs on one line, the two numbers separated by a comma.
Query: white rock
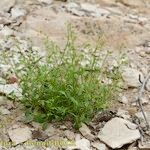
[[131, 77], [77, 137], [50, 130], [89, 7], [123, 100], [105, 81], [103, 12], [11, 88], [138, 49], [117, 132], [85, 131], [99, 146], [143, 19], [94, 9], [69, 134], [144, 70], [19, 135], [74, 8], [17, 12], [131, 16], [114, 10], [77, 12], [46, 1], [128, 20], [5, 5], [4, 111], [123, 113], [71, 6], [147, 50], [63, 127], [100, 12], [6, 31], [82, 144]]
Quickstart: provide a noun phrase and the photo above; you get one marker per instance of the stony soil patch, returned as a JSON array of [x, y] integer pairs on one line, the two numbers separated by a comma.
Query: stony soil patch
[[125, 27]]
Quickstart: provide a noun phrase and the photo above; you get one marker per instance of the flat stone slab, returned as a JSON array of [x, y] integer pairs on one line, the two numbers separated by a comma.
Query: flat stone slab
[[19, 135], [118, 132]]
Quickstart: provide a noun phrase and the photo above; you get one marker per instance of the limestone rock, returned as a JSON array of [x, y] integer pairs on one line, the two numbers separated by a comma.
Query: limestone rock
[[46, 1], [118, 132], [50, 130], [131, 77], [6, 31], [19, 135], [85, 131], [123, 114], [69, 134], [5, 5], [82, 144], [123, 100], [94, 9], [17, 12], [99, 146]]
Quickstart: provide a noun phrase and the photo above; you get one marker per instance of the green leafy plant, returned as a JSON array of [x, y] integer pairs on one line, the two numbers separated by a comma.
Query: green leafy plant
[[66, 84]]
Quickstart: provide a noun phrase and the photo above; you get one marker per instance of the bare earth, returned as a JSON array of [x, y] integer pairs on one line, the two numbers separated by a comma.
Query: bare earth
[[124, 26]]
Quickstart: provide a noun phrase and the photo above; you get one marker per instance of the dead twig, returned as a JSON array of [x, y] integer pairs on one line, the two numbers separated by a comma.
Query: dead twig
[[140, 97]]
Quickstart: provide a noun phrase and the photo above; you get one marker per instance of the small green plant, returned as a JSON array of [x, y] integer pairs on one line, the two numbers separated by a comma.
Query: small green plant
[[65, 85]]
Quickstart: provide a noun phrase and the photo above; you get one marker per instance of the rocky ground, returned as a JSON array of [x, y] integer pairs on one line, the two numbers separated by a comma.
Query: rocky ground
[[125, 26]]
